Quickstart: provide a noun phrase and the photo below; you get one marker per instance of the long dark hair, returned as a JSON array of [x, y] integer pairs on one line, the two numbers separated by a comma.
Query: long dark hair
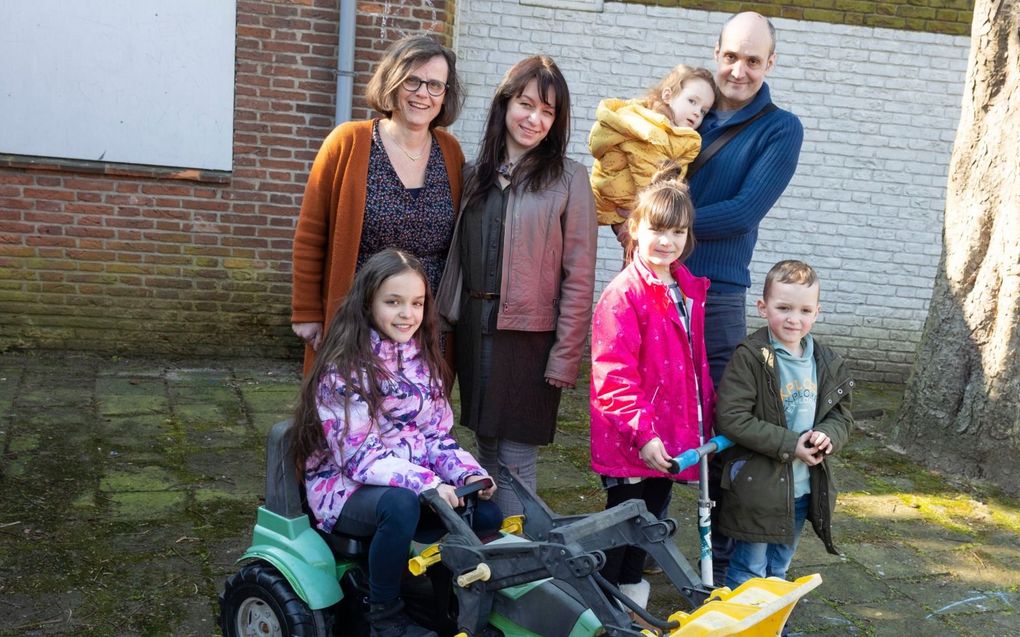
[[541, 165], [348, 347]]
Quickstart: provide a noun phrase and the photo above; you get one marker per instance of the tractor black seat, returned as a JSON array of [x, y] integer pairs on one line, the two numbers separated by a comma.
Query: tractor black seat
[[285, 493], [347, 547]]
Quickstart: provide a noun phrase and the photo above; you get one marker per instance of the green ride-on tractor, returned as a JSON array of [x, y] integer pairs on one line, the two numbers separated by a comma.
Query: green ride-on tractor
[[539, 578]]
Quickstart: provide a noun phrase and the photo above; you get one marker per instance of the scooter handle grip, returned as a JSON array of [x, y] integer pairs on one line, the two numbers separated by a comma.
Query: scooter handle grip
[[691, 457]]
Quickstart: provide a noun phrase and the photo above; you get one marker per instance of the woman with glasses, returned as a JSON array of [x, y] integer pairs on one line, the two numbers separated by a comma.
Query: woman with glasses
[[391, 182], [521, 273]]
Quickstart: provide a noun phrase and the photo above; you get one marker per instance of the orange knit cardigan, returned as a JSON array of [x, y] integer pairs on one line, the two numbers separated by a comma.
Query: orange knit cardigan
[[328, 232]]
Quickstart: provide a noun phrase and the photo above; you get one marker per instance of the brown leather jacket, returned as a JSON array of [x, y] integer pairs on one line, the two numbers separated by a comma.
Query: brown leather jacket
[[548, 267]]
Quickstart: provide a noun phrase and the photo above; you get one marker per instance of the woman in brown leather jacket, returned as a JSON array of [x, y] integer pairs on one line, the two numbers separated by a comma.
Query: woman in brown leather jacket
[[521, 273]]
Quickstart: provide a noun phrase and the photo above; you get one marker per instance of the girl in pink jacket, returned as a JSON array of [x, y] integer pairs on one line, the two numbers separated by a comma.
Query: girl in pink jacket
[[650, 384]]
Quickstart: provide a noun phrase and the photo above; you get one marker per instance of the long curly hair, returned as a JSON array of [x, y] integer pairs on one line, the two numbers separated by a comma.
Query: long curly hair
[[348, 348]]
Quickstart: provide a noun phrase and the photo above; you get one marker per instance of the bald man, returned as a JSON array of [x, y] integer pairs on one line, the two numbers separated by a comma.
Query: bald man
[[738, 186], [733, 191]]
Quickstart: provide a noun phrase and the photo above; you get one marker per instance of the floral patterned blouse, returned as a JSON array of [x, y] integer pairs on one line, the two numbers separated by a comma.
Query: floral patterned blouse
[[408, 446], [418, 220]]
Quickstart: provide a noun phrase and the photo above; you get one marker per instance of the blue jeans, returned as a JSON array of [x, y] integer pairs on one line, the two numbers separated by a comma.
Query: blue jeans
[[392, 517], [758, 559]]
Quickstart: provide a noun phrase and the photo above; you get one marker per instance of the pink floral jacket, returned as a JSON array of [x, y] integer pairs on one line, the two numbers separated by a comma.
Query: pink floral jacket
[[643, 371], [409, 446]]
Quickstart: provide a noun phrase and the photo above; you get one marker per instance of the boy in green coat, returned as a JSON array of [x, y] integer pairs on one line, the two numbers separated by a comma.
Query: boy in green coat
[[784, 402]]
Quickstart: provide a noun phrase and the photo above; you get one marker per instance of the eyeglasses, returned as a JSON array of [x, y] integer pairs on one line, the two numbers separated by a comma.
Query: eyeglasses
[[434, 87]]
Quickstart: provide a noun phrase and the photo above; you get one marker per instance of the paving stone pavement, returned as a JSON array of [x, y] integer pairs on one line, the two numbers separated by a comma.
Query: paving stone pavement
[[128, 489]]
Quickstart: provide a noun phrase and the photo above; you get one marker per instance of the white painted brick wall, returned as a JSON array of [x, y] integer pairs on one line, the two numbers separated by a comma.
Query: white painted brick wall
[[879, 108]]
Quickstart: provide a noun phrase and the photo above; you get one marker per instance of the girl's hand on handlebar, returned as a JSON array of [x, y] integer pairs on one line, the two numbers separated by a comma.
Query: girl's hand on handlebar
[[484, 494], [448, 493], [654, 455]]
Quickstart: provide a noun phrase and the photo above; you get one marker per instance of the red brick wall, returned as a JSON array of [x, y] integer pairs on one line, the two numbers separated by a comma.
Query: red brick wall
[[140, 260], [379, 23]]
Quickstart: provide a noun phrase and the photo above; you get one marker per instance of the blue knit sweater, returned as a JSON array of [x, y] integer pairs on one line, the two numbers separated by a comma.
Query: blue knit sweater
[[735, 190]]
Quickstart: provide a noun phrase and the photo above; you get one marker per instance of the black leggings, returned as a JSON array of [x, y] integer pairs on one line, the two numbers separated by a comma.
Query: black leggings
[[625, 564]]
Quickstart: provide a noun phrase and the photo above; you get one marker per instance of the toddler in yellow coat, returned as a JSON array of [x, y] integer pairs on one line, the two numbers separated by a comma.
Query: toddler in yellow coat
[[632, 138]]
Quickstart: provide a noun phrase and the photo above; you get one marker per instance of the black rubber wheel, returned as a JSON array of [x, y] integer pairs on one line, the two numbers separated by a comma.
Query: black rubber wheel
[[257, 601]]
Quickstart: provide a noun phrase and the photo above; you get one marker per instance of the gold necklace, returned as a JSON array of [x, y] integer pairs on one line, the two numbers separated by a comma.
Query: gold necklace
[[404, 150]]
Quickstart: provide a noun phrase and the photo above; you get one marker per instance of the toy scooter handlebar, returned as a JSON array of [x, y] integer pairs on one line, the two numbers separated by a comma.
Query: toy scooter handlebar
[[691, 457]]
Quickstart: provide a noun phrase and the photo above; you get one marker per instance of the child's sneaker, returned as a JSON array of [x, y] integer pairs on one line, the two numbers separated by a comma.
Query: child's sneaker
[[637, 592]]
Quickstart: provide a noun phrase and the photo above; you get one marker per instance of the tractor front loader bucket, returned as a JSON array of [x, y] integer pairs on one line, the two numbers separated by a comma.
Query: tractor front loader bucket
[[757, 608]]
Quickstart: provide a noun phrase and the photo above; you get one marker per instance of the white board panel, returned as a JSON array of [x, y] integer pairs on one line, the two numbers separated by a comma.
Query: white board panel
[[132, 81]]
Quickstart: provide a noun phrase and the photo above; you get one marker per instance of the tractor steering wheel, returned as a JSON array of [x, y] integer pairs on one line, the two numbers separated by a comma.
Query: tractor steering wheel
[[469, 492], [472, 489]]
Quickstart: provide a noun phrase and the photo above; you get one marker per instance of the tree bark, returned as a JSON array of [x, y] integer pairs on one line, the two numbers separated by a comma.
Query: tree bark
[[961, 407]]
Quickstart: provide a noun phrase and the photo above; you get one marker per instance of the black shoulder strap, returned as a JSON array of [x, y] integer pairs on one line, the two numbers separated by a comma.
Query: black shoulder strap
[[724, 139]]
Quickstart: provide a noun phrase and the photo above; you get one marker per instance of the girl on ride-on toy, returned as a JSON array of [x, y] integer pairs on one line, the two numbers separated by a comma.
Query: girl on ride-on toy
[[372, 429]]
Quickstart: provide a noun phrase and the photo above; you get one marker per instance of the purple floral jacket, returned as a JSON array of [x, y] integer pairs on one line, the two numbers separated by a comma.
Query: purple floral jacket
[[409, 445]]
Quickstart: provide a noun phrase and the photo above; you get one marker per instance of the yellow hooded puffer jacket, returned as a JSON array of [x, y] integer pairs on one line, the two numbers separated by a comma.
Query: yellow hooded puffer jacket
[[629, 143]]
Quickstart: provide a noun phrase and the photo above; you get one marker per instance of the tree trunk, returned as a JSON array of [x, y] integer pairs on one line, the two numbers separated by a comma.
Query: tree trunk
[[961, 408]]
